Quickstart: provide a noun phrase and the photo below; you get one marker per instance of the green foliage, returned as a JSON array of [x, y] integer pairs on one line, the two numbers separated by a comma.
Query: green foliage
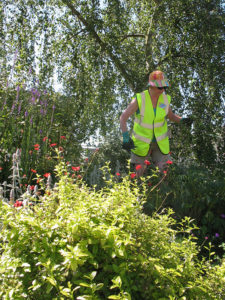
[[34, 122], [79, 243], [103, 51], [195, 191]]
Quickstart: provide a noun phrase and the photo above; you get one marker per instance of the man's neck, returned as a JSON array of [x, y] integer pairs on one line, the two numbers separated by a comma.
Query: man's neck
[[153, 94]]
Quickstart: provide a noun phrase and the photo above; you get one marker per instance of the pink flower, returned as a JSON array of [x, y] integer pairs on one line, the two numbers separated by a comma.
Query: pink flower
[[169, 162], [1, 168], [138, 167], [117, 174], [206, 238], [76, 168], [132, 175], [165, 172], [45, 138], [147, 162], [79, 176]]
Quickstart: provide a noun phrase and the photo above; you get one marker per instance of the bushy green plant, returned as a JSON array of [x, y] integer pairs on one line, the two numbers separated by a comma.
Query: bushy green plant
[[79, 243], [195, 191], [33, 120]]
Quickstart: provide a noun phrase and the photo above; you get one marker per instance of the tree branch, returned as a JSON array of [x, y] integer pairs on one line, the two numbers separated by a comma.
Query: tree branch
[[132, 35], [105, 47], [149, 38]]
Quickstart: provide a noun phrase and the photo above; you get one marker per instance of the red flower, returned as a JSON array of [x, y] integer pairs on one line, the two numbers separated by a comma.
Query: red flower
[[117, 174], [76, 168], [36, 149], [34, 171], [65, 173], [169, 162], [165, 172], [24, 176], [18, 203], [62, 137], [147, 162], [53, 145], [61, 149], [86, 159], [132, 175], [1, 168], [45, 138], [36, 146], [79, 176], [32, 187], [30, 152], [47, 175], [138, 167]]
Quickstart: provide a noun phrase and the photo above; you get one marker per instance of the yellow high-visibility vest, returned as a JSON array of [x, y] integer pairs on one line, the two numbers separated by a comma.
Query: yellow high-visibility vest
[[147, 124]]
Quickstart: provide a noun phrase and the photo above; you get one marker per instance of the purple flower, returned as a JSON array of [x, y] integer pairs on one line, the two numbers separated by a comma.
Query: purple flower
[[26, 114], [217, 235], [31, 120], [19, 109], [13, 106], [53, 107], [222, 216]]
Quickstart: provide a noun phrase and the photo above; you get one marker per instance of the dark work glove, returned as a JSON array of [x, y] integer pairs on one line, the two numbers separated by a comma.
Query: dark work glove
[[128, 143], [187, 121]]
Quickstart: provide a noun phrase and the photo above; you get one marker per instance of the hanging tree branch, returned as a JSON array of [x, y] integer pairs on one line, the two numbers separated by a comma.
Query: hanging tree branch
[[104, 46]]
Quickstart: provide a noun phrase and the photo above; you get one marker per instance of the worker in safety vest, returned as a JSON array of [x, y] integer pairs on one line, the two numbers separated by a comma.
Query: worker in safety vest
[[150, 133]]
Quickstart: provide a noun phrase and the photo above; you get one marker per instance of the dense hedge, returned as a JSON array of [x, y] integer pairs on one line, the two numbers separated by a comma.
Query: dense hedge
[[78, 243]]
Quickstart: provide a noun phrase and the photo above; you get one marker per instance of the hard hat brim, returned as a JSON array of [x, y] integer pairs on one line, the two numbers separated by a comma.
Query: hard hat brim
[[158, 83]]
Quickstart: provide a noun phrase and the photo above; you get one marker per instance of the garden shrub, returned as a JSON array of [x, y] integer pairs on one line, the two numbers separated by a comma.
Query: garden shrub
[[195, 191], [80, 243]]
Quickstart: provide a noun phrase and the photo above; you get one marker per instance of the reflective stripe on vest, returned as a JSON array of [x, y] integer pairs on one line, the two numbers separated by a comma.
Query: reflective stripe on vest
[[145, 126]]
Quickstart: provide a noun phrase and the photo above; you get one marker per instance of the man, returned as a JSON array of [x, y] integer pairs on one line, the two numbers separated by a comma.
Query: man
[[150, 133]]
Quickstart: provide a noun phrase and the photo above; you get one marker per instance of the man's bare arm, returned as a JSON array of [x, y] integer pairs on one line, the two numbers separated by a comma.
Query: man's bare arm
[[173, 117], [129, 111]]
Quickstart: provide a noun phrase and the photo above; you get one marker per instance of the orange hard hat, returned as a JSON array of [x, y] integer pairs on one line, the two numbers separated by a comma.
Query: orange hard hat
[[158, 79]]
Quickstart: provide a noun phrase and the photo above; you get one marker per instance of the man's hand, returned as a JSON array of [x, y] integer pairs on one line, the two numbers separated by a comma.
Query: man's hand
[[187, 121], [128, 143]]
